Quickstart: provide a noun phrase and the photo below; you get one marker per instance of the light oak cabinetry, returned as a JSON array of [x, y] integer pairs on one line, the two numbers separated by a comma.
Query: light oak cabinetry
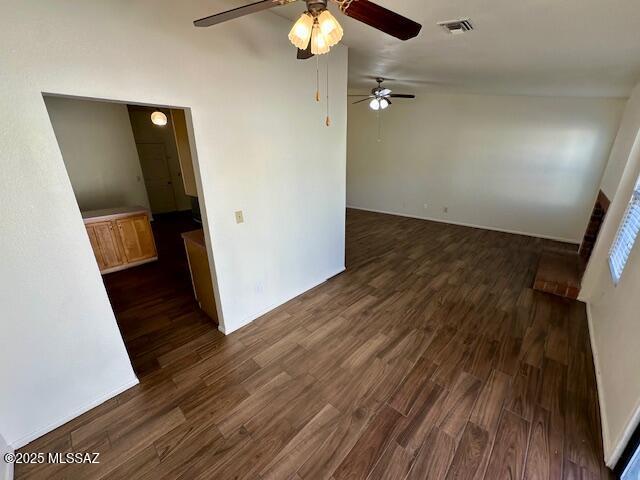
[[137, 238], [181, 133], [121, 238], [200, 272], [104, 240]]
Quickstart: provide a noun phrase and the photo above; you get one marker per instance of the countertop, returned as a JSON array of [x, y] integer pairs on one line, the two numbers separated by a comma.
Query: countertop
[[112, 213], [195, 236]]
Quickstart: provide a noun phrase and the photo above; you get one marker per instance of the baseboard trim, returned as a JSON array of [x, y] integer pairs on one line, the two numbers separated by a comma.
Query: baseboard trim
[[612, 452], [21, 442], [622, 441], [470, 225], [250, 319], [604, 425]]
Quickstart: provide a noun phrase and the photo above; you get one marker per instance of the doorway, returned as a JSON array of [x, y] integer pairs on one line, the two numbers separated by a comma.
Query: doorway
[[161, 158], [135, 185]]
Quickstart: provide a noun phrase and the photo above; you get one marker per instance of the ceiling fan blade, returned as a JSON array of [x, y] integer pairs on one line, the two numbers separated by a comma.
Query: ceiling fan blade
[[379, 17], [239, 12], [401, 95], [354, 95], [363, 100], [384, 92], [306, 53]]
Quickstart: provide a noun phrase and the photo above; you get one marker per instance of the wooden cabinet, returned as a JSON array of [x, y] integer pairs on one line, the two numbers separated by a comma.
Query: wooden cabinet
[[200, 272], [181, 133], [120, 238], [137, 238], [105, 243]]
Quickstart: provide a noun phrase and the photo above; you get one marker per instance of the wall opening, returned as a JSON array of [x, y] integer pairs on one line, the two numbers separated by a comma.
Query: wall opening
[[136, 186]]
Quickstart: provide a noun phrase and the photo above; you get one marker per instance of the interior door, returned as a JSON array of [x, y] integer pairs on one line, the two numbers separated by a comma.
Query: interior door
[[157, 177]]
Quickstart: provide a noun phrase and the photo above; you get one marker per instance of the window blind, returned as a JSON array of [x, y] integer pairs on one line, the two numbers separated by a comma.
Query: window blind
[[626, 237]]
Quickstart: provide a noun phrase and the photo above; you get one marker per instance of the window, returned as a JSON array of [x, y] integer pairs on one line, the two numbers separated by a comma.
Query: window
[[626, 236]]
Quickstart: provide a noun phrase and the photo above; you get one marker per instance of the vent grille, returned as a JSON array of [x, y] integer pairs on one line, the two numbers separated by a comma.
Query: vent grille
[[457, 26]]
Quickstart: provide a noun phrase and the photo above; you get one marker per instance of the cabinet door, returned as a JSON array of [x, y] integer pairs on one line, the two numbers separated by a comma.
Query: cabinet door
[[104, 241], [137, 238], [181, 134], [201, 278], [91, 232]]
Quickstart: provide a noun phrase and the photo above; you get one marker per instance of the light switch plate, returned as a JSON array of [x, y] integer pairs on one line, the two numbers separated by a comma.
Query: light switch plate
[[239, 217]]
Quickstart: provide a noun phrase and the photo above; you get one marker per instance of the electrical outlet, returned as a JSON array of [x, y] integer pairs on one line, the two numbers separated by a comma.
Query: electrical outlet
[[426, 206], [239, 217], [445, 210]]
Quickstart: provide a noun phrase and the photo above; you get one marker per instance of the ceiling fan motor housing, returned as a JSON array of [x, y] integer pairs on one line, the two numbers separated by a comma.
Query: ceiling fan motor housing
[[316, 7], [376, 91]]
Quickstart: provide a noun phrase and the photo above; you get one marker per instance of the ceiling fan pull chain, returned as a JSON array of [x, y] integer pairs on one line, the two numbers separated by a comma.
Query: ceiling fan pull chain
[[328, 120], [317, 79]]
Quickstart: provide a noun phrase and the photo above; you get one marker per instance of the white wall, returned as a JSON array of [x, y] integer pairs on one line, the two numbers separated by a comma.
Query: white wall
[[625, 139], [6, 469], [261, 144], [99, 151], [614, 322], [523, 164]]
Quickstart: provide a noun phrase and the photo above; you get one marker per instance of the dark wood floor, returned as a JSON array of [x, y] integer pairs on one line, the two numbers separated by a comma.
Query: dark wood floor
[[154, 303], [430, 358]]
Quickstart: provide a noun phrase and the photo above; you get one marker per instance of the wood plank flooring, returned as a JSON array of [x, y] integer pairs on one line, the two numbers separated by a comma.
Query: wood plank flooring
[[430, 358]]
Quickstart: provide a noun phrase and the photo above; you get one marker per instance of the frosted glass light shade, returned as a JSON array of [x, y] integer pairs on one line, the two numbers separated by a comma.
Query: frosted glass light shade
[[330, 28], [319, 45], [384, 103], [301, 31], [374, 104], [159, 118]]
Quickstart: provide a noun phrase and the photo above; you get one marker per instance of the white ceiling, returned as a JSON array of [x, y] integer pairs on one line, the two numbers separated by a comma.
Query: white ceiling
[[532, 47]]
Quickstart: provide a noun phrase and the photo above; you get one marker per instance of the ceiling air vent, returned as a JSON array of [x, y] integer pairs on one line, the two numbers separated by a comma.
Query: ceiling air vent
[[457, 26]]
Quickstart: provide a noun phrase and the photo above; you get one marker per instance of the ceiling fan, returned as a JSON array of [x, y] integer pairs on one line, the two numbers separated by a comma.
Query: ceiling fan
[[317, 30], [381, 97]]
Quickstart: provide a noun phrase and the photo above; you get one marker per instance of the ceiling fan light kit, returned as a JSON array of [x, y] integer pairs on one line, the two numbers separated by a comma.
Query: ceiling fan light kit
[[319, 45], [322, 30], [379, 104], [300, 33], [330, 28]]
